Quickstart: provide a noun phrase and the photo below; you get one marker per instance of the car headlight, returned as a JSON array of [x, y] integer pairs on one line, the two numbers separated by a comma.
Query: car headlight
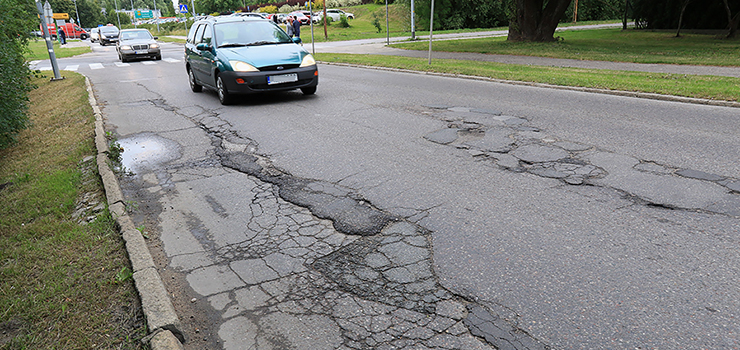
[[240, 66], [308, 61], [125, 47], [153, 46]]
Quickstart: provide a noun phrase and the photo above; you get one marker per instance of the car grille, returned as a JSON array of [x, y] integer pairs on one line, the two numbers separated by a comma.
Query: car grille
[[140, 47], [279, 67]]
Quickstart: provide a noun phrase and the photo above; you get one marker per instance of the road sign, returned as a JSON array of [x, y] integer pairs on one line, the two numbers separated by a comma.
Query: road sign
[[143, 14], [60, 16], [183, 8]]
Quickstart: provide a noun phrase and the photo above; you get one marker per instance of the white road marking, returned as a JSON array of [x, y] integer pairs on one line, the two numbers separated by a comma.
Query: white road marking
[[96, 66], [72, 67], [148, 62], [121, 64], [171, 60]]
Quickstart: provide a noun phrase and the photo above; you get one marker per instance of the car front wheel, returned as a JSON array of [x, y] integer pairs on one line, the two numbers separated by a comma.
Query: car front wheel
[[193, 84], [223, 95]]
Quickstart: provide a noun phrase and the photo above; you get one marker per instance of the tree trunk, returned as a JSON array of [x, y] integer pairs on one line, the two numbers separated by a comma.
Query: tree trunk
[[732, 22], [536, 20], [680, 18]]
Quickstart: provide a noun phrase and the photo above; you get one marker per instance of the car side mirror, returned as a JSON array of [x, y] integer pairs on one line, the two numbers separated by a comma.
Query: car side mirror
[[297, 40], [203, 47], [156, 37]]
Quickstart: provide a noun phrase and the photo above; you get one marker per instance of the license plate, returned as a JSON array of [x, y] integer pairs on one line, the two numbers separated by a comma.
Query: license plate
[[280, 79], [141, 52]]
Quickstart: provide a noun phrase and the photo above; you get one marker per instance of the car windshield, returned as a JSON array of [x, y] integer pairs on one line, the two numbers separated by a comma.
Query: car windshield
[[251, 33], [136, 35], [108, 30]]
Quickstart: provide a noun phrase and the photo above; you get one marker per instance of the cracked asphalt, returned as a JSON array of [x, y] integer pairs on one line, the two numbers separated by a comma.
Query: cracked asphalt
[[387, 213]]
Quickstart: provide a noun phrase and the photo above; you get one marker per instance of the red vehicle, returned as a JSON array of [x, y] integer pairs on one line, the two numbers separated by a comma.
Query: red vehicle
[[71, 30]]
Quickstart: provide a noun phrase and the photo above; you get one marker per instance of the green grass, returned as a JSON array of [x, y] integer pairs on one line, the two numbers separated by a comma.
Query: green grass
[[60, 280], [710, 87], [612, 45], [38, 51]]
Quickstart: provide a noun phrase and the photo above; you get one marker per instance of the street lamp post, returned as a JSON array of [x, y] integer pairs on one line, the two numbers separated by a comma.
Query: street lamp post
[[133, 14], [49, 44], [77, 13]]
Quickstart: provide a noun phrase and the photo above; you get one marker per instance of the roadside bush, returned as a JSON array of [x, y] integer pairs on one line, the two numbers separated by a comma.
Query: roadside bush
[[343, 23], [269, 9], [376, 22], [14, 72]]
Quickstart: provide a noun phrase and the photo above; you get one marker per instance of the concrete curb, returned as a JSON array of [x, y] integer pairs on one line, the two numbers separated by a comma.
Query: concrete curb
[[162, 321], [644, 95]]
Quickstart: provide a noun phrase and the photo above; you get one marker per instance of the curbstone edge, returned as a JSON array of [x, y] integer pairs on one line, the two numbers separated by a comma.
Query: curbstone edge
[[162, 321]]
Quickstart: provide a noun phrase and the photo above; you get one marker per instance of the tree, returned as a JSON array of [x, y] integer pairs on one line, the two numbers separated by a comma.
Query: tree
[[536, 20], [733, 21]]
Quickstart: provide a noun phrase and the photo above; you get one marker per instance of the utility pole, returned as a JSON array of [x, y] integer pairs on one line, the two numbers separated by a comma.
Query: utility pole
[[77, 13], [47, 37], [387, 28], [431, 29], [155, 12], [117, 15], [413, 26]]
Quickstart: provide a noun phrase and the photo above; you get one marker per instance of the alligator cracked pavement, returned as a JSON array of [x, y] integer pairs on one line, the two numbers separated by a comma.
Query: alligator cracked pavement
[[509, 143], [296, 263]]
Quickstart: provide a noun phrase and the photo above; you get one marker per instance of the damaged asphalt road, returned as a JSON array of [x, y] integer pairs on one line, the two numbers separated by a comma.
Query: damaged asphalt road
[[409, 218]]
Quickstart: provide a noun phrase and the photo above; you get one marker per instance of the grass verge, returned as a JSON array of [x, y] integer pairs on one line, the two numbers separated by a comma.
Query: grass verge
[[612, 45], [709, 87], [37, 50], [65, 280]]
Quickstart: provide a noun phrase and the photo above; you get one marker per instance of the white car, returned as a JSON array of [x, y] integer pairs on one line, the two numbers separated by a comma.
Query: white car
[[94, 35], [336, 14]]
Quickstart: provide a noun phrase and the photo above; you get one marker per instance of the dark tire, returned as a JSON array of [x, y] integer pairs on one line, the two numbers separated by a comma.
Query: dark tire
[[102, 43], [308, 90], [83, 37], [223, 95], [158, 58], [193, 84]]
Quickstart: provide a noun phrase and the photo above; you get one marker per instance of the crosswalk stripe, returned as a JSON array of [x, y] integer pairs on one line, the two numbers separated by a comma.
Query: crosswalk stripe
[[148, 62], [96, 66], [121, 64], [72, 67], [171, 60]]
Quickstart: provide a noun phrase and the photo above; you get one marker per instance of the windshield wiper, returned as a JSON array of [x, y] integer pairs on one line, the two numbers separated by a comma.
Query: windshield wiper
[[233, 45], [258, 43]]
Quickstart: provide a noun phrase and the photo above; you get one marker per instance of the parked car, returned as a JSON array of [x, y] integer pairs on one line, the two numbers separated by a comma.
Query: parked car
[[137, 43], [336, 14], [108, 34], [243, 55], [300, 17], [95, 35]]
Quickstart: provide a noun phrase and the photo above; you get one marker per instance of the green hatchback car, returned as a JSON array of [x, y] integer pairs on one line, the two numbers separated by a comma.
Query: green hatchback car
[[243, 55]]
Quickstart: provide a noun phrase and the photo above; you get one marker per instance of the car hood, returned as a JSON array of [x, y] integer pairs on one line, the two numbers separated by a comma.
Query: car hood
[[138, 42], [266, 55]]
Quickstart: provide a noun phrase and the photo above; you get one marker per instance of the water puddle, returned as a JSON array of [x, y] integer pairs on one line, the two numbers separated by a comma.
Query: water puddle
[[147, 151]]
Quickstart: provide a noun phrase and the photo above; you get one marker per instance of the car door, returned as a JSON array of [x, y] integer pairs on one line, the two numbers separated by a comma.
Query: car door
[[208, 57], [195, 56]]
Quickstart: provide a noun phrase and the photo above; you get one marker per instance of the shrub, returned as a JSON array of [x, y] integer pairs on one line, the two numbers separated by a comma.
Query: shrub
[[343, 23], [269, 9], [14, 72]]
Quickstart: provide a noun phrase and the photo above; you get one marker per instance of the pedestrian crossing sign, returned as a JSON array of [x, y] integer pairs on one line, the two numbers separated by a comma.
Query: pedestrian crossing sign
[[183, 8]]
